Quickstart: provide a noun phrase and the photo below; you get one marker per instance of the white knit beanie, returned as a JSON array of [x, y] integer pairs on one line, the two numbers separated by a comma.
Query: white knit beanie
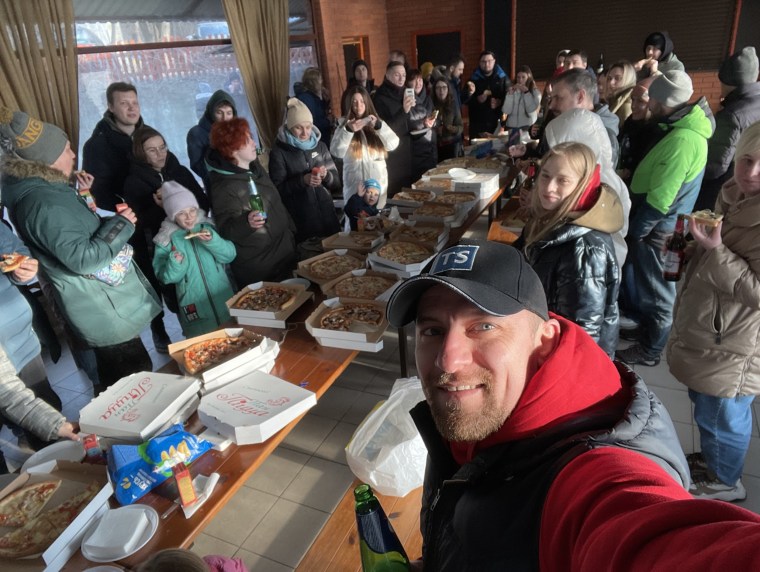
[[297, 113], [672, 88], [175, 198]]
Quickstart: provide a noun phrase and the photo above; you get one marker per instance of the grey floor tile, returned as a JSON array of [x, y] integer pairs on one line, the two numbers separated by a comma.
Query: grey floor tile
[[676, 402], [752, 461], [76, 381], [333, 448], [320, 485], [287, 533], [61, 370], [72, 407], [309, 434], [336, 402], [278, 471], [361, 407], [241, 515], [685, 436], [256, 563], [205, 545]]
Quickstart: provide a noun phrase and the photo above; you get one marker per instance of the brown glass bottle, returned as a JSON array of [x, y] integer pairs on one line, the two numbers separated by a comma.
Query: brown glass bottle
[[673, 263]]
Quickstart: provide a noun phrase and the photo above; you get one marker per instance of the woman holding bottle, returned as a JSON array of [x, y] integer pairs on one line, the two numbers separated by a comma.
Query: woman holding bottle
[[362, 139], [714, 347], [449, 121], [264, 239]]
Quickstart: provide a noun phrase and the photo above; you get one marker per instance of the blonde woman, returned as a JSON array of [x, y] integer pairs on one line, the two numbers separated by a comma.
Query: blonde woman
[[567, 241], [621, 79]]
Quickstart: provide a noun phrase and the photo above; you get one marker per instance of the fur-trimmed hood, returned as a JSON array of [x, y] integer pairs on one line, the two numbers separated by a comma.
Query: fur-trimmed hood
[[169, 227], [13, 169]]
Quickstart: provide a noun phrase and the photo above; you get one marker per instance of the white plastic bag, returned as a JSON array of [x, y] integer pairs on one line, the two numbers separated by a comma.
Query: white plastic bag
[[386, 449]]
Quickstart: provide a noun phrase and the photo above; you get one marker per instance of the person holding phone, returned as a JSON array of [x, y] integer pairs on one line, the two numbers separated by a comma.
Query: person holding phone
[[421, 120]]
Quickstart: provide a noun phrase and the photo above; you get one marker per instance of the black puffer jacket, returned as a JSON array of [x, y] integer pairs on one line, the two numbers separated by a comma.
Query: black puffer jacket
[[389, 103], [424, 139], [312, 208], [577, 267], [268, 253]]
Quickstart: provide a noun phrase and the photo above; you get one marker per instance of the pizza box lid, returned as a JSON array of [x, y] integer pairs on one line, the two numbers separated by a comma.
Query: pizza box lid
[[177, 351], [414, 267], [329, 288], [303, 266], [410, 203], [136, 406], [442, 229], [346, 240], [262, 363], [74, 479], [481, 181], [372, 336], [302, 294], [255, 407]]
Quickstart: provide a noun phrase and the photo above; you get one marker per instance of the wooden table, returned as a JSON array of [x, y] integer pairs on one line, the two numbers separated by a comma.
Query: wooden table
[[301, 359]]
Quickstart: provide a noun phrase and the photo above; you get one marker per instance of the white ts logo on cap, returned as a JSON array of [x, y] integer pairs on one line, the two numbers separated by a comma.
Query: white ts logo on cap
[[456, 258]]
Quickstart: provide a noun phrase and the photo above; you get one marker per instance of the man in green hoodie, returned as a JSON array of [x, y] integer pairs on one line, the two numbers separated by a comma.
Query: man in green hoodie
[[666, 183]]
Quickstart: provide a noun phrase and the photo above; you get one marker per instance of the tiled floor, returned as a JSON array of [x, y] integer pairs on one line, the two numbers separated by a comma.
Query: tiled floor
[[280, 510]]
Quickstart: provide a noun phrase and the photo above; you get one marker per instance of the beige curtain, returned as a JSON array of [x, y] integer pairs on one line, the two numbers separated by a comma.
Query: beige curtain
[[38, 61], [259, 33]]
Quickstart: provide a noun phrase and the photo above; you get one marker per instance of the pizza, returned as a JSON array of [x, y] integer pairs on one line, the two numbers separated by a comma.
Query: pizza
[[25, 503], [379, 223], [403, 252], [418, 233], [444, 184], [211, 352], [414, 196], [435, 209], [363, 287], [363, 239], [200, 233], [707, 218], [40, 532], [266, 299], [10, 262], [333, 266], [351, 315], [455, 198]]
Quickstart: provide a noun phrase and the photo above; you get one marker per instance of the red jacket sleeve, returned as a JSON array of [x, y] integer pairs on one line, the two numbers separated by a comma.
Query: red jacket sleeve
[[614, 509]]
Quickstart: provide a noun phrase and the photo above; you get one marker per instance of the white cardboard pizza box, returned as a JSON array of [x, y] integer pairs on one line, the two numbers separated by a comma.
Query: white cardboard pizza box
[[442, 228], [301, 296], [436, 185], [329, 288], [368, 340], [239, 360], [394, 200], [448, 219], [345, 240], [380, 267], [467, 205], [138, 405], [264, 362], [254, 407], [415, 267], [483, 185], [303, 266], [74, 479]]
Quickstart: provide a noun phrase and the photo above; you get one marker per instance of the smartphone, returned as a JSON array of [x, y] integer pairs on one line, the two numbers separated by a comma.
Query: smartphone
[[409, 92]]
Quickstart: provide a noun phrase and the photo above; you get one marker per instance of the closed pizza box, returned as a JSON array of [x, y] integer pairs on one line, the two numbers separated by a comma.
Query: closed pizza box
[[265, 362], [366, 340], [74, 477], [329, 288], [482, 185], [302, 294], [254, 407], [305, 266], [357, 241], [402, 202], [231, 368], [380, 267], [437, 243], [137, 406]]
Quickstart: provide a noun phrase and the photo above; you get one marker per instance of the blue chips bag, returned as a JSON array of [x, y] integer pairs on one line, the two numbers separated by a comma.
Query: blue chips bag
[[137, 469]]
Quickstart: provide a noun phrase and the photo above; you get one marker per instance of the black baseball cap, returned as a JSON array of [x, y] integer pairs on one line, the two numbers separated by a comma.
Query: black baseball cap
[[493, 276]]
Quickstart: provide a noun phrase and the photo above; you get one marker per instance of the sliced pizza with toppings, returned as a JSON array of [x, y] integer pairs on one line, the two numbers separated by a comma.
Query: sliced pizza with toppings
[[363, 287], [346, 316], [419, 233], [414, 196], [436, 210], [267, 299], [333, 266], [404, 252], [455, 198], [10, 262], [17, 508], [207, 353]]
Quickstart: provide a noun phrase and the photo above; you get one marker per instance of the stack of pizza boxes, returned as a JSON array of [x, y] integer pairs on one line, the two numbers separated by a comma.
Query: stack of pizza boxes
[[273, 317], [71, 495], [260, 355], [139, 406]]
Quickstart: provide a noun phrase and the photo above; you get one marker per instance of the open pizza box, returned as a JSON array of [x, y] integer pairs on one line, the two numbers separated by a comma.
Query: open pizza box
[[466, 200], [329, 288], [436, 185], [74, 477], [357, 241], [360, 337], [139, 406], [402, 202], [436, 244], [454, 220], [236, 364], [304, 267], [255, 407], [267, 319], [414, 268]]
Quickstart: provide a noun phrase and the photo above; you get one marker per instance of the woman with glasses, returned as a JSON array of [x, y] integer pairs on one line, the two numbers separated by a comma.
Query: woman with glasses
[[152, 164], [449, 121]]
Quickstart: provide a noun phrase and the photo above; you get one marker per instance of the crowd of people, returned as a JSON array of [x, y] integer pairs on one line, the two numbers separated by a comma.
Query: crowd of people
[[620, 155]]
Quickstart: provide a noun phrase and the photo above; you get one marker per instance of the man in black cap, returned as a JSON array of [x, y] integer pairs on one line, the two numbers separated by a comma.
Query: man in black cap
[[740, 102], [541, 451]]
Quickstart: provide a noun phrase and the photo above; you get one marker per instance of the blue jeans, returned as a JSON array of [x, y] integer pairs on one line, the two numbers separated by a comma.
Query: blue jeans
[[725, 428], [648, 297]]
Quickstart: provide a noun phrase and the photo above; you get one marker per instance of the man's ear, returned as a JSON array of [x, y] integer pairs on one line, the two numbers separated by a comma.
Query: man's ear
[[548, 337]]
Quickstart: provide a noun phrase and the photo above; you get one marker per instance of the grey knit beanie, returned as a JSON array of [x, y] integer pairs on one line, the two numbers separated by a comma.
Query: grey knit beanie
[[30, 138], [672, 88], [740, 68]]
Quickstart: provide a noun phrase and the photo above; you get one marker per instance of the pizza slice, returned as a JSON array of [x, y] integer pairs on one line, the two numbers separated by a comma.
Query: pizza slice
[[20, 506], [207, 353], [267, 299], [199, 234], [10, 262]]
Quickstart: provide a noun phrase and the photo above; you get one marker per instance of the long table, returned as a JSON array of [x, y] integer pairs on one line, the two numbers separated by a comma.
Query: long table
[[301, 359]]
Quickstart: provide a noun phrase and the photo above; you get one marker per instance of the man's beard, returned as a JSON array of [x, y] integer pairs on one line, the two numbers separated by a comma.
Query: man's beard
[[457, 425]]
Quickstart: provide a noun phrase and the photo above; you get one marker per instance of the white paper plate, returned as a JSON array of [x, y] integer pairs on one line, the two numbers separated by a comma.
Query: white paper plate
[[153, 517], [460, 174], [59, 451], [104, 569], [303, 281]]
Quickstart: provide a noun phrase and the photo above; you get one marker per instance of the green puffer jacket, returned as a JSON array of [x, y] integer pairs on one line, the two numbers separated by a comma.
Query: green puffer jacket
[[71, 242], [197, 268]]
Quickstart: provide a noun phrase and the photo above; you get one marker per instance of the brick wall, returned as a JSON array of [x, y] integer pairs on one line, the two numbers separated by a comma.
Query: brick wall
[[706, 83], [335, 19]]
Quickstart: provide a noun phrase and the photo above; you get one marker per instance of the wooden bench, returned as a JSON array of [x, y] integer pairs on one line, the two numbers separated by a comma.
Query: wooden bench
[[336, 549]]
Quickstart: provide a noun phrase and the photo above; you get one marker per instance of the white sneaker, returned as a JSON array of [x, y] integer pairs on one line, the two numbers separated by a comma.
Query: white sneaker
[[626, 323], [710, 487]]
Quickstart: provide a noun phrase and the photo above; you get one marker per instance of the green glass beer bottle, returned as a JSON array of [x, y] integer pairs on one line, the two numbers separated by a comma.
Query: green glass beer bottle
[[254, 198], [381, 550]]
